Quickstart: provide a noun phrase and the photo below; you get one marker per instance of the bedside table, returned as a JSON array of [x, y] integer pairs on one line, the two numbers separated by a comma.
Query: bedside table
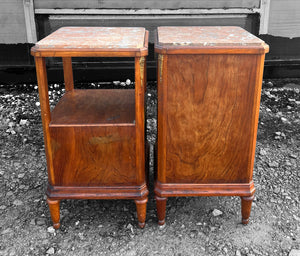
[[94, 139], [209, 84]]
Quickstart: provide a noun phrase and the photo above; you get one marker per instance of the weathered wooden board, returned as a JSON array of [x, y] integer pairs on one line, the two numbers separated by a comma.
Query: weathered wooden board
[[156, 4], [12, 20], [284, 18], [13, 7], [5, 19]]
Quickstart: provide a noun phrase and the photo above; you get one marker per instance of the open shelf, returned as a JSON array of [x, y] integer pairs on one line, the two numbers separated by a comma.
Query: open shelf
[[95, 107]]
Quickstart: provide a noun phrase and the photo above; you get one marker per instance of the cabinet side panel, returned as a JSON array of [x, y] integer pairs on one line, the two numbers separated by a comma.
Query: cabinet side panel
[[93, 156], [210, 118]]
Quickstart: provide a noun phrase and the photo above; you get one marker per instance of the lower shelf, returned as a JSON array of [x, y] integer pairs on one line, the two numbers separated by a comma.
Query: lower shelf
[[95, 108]]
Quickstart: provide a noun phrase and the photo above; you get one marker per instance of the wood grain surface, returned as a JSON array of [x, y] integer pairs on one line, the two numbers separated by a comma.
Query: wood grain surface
[[93, 156], [95, 107], [209, 84], [213, 98], [68, 73]]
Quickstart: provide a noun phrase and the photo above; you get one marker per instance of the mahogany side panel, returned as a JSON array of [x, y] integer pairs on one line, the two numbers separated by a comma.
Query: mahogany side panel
[[213, 97], [94, 156]]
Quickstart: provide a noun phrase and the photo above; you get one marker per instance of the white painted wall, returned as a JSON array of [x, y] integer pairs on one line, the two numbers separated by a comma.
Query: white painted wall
[[12, 22], [284, 18]]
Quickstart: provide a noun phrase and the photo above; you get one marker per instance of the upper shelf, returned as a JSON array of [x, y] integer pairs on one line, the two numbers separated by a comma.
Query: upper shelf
[[95, 41], [95, 107], [207, 39]]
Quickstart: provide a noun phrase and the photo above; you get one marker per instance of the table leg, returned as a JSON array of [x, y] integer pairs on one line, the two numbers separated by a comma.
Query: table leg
[[246, 208], [161, 203], [54, 212], [141, 207]]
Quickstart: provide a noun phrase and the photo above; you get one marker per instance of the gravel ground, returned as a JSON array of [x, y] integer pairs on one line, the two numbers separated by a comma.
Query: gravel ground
[[194, 225]]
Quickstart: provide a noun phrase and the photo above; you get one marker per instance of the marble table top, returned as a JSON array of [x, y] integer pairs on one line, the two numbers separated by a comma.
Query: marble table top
[[206, 36], [94, 38]]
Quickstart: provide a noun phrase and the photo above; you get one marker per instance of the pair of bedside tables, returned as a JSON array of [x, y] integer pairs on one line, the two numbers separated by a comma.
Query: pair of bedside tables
[[209, 82]]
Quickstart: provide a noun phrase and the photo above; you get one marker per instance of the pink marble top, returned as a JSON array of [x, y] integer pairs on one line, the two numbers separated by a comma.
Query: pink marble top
[[94, 37], [206, 36]]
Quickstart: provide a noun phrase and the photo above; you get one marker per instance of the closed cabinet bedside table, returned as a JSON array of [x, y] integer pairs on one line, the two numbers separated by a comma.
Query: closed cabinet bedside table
[[94, 139], [209, 84]]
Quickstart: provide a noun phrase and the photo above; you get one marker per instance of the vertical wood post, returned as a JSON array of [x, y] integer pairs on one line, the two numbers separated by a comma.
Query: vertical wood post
[[140, 84], [68, 73], [41, 74], [161, 116]]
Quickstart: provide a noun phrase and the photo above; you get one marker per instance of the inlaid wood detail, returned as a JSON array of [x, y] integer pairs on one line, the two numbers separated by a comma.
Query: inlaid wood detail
[[142, 70], [160, 66]]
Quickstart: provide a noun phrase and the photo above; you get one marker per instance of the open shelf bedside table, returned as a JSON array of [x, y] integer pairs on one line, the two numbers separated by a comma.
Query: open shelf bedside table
[[94, 139]]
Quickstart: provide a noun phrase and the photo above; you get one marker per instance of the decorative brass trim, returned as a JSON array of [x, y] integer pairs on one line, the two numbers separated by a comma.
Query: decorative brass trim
[[160, 66], [142, 68]]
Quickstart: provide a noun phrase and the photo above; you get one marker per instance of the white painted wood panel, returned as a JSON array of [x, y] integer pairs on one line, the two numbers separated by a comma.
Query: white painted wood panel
[[157, 4], [12, 20], [284, 18], [13, 8]]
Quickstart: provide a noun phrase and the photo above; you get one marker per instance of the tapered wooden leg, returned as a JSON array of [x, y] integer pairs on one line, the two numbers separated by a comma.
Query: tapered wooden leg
[[246, 208], [161, 203], [54, 212], [141, 207]]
